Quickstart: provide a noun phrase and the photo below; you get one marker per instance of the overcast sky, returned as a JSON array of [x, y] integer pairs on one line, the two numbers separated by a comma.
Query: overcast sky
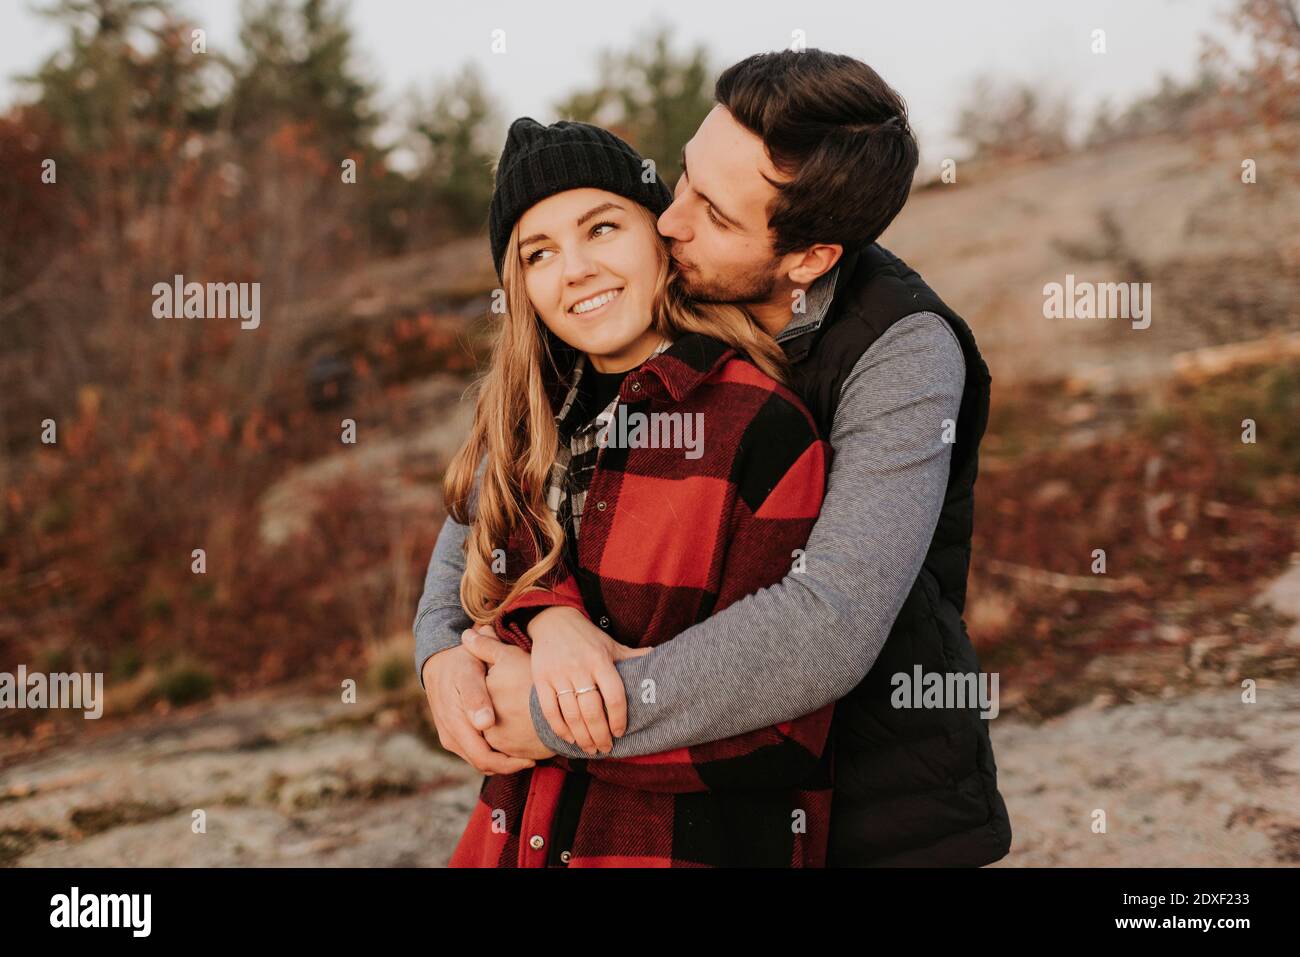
[[929, 50]]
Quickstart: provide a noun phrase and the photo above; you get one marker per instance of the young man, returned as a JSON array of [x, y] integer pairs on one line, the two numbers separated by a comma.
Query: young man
[[786, 185]]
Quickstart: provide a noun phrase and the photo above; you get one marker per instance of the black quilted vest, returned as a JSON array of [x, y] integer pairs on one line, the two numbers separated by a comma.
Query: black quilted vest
[[913, 787]]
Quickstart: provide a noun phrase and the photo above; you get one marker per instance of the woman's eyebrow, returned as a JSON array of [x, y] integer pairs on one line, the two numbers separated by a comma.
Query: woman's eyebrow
[[594, 211]]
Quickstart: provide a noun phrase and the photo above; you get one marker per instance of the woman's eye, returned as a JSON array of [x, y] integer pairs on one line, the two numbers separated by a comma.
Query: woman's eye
[[602, 226], [533, 257]]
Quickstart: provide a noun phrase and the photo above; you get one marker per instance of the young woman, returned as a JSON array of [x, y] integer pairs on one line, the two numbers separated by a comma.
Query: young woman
[[646, 532]]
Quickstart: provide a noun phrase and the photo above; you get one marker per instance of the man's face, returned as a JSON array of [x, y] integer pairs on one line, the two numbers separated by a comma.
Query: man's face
[[717, 223]]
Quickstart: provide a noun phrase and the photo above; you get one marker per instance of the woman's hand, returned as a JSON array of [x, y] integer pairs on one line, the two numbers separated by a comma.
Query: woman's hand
[[571, 654]]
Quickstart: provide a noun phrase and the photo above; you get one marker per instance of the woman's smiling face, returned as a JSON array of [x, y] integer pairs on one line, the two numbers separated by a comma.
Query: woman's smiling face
[[591, 259]]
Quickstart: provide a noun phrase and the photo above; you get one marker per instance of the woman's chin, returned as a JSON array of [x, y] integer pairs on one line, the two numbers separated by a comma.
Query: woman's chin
[[604, 346]]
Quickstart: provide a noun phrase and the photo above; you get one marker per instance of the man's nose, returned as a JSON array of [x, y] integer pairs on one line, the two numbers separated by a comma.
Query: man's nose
[[672, 223]]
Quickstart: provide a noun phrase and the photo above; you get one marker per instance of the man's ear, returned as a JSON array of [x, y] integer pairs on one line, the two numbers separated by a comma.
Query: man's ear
[[813, 262]]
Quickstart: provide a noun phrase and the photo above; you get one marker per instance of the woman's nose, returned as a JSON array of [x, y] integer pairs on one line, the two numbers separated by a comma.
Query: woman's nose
[[577, 265]]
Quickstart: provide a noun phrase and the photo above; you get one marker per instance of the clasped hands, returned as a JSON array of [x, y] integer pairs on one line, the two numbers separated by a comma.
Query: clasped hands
[[479, 692]]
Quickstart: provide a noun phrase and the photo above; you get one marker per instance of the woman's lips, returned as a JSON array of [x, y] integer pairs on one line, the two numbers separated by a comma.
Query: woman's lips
[[618, 294]]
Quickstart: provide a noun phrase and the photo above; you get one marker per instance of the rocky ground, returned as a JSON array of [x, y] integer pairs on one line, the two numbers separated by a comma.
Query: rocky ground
[[1197, 778], [1191, 776], [1203, 780], [280, 780]]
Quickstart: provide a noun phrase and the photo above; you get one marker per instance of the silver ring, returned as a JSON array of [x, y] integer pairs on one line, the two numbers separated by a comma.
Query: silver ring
[[566, 691], [585, 690]]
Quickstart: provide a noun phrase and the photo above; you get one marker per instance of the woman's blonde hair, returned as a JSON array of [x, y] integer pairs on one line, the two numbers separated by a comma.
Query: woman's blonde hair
[[514, 425]]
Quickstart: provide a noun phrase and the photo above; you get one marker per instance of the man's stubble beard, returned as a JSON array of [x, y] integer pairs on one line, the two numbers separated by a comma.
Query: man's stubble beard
[[755, 286]]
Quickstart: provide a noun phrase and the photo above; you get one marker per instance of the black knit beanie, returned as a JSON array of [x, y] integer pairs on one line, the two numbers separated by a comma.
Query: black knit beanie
[[539, 161]]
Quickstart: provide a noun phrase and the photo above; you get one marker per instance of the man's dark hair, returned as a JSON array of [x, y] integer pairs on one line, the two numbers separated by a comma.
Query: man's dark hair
[[838, 130]]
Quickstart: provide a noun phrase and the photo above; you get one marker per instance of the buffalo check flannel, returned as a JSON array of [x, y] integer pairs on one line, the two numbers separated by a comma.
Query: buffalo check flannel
[[667, 541]]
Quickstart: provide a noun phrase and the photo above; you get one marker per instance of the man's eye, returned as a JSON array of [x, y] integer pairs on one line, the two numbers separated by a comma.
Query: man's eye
[[714, 217]]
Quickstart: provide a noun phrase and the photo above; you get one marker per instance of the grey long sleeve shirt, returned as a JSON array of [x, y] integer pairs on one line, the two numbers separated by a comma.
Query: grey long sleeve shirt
[[809, 639]]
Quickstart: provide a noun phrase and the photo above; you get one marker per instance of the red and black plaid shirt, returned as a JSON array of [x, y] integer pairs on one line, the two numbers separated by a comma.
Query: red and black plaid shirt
[[666, 541]]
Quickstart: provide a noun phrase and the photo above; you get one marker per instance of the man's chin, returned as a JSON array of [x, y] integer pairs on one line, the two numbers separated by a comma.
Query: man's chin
[[753, 288], [700, 290]]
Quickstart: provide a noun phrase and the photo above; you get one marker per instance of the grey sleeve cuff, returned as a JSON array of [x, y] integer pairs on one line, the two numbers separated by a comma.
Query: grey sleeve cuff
[[548, 736], [438, 631]]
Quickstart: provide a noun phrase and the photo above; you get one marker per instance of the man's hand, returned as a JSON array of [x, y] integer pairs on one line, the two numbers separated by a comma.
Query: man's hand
[[509, 681], [456, 686], [570, 654]]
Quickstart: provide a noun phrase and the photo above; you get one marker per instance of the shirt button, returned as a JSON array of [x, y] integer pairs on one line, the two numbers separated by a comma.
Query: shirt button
[[600, 506], [536, 842], [636, 386], [564, 857], [604, 622]]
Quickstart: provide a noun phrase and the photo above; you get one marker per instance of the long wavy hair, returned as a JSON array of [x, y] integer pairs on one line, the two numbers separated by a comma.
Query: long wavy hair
[[514, 424]]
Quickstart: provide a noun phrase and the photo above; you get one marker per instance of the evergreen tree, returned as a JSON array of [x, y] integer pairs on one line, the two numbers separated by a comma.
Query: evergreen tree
[[125, 76], [459, 136], [651, 95], [298, 66]]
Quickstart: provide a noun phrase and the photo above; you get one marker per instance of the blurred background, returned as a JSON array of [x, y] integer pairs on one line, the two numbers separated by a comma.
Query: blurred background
[[1116, 142]]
